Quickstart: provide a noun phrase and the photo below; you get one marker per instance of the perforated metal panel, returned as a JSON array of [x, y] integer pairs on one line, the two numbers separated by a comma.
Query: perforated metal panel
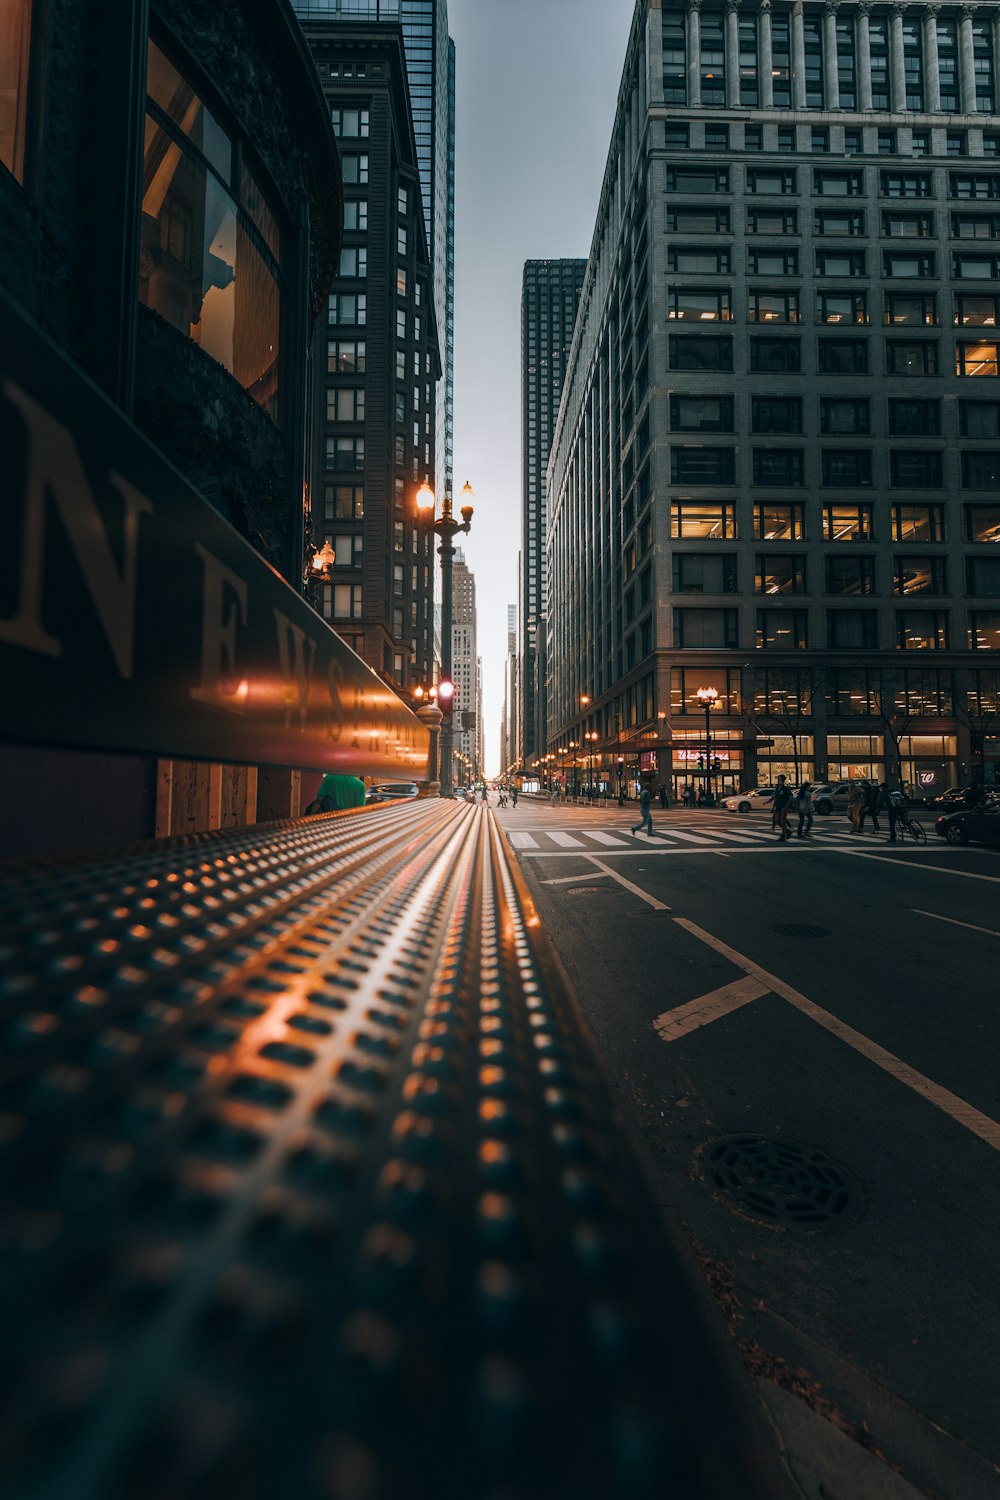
[[311, 1189]]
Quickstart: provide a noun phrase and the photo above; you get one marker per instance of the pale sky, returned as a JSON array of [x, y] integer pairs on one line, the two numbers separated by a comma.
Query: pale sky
[[537, 85]]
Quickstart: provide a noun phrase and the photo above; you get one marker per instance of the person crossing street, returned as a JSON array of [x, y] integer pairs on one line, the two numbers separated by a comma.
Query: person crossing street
[[645, 816]]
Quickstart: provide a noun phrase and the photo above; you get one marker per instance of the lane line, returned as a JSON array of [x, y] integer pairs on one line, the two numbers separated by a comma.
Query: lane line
[[635, 889], [570, 879], [888, 859], [990, 931], [721, 1002], [963, 1113]]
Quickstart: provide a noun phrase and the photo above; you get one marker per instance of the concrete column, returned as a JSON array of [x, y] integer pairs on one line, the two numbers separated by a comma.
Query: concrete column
[[831, 90], [897, 66], [798, 58], [863, 56], [732, 52], [694, 52], [966, 62], [765, 56], [932, 73]]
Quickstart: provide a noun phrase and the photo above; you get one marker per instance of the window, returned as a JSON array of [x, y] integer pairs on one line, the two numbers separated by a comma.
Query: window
[[781, 67], [840, 263], [353, 261], [348, 308], [981, 470], [753, 138], [854, 141], [674, 55], [775, 356], [353, 168], [991, 144], [920, 143], [895, 264], [984, 630], [776, 182], [982, 523], [844, 415], [701, 413], [926, 692], [703, 259], [698, 220], [702, 466], [947, 46], [847, 523], [776, 414], [851, 629], [975, 226], [782, 630], [842, 307], [976, 312], [886, 143], [910, 358], [819, 142], [918, 523], [773, 262], [704, 573], [356, 215], [350, 550], [982, 576], [15, 56], [345, 357], [976, 267], [921, 630], [347, 601], [846, 468], [697, 179], [914, 418], [716, 137], [957, 143], [772, 307], [777, 573], [979, 419], [694, 306], [906, 184], [975, 185], [779, 467], [777, 522], [700, 353], [907, 309], [919, 575], [843, 356], [345, 452], [897, 226], [343, 502], [772, 221], [350, 124], [676, 137], [713, 59], [976, 359], [878, 47], [839, 221], [850, 573], [706, 628], [915, 468], [716, 520], [838, 184]]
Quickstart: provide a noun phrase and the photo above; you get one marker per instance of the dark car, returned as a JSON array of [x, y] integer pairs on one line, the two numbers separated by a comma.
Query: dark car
[[982, 826], [392, 791], [953, 800]]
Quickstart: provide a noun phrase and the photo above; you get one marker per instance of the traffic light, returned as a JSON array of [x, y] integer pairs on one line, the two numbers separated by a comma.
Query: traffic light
[[717, 764], [701, 763], [446, 696]]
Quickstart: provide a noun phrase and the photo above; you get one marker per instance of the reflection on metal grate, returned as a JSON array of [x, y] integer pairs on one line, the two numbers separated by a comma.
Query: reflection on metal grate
[[779, 1182], [311, 1188], [800, 929]]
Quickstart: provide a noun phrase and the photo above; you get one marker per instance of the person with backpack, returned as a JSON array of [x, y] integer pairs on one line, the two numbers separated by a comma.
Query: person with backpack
[[645, 816], [890, 801], [781, 805], [869, 808], [337, 791]]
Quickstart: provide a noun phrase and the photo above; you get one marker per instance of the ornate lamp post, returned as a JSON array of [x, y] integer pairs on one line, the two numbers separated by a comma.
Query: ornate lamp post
[[447, 528], [590, 736], [706, 697]]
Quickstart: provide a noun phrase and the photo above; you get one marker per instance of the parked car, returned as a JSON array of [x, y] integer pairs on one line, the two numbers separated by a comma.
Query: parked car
[[745, 802], [982, 826], [391, 791], [828, 797]]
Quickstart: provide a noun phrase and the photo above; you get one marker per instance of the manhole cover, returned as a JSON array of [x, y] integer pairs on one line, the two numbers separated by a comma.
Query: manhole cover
[[800, 929], [586, 890], [779, 1182]]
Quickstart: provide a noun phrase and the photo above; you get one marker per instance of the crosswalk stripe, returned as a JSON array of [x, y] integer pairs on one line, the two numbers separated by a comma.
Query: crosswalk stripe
[[690, 838], [523, 841], [611, 839], [566, 840]]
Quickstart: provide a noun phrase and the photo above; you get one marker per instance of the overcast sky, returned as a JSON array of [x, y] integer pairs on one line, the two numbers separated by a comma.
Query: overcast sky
[[537, 85]]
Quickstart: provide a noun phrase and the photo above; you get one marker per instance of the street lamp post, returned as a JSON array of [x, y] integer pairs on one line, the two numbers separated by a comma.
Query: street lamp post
[[590, 736], [447, 528], [576, 791], [706, 697]]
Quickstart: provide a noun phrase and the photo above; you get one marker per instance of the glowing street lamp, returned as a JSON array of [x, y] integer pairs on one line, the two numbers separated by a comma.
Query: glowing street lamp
[[447, 528], [706, 697]]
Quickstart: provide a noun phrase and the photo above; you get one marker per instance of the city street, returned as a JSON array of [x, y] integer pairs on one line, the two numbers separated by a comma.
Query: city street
[[832, 1005]]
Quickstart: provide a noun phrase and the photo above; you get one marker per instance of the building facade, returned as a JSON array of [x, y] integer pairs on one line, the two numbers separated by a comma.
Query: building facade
[[550, 293], [376, 363], [508, 751], [776, 471], [467, 710]]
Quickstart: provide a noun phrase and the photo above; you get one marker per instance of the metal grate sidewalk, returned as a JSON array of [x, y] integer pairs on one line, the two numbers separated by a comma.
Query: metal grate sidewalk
[[311, 1188]]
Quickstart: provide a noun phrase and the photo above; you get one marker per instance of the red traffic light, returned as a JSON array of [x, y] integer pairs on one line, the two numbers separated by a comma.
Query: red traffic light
[[446, 692]]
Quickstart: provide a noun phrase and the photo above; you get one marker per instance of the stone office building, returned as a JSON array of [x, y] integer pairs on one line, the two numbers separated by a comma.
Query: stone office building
[[776, 472]]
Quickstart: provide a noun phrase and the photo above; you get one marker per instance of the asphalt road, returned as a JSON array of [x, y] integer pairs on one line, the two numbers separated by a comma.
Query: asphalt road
[[866, 1031]]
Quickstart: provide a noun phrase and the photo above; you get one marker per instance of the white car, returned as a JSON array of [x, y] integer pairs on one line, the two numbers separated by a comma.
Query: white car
[[745, 802]]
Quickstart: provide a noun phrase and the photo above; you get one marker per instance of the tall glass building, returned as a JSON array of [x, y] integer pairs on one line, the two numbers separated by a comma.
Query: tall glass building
[[776, 469], [430, 67]]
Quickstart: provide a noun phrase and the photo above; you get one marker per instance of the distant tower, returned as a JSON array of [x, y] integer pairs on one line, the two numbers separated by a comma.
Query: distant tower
[[465, 668]]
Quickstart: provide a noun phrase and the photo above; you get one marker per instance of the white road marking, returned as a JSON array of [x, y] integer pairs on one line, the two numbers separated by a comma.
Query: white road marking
[[689, 838], [888, 859], [720, 1002], [572, 879], [635, 889], [991, 931], [972, 1119], [608, 838], [565, 840], [522, 841]]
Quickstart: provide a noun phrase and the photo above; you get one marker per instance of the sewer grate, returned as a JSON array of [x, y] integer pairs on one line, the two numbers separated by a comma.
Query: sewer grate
[[779, 1182], [800, 929]]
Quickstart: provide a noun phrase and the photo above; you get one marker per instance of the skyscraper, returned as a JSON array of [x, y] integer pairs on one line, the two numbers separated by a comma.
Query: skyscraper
[[550, 296], [777, 464], [466, 734]]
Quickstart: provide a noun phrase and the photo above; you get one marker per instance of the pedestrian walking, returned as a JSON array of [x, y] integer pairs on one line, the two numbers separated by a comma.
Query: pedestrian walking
[[855, 802], [486, 795], [663, 797], [688, 794], [890, 801], [782, 803], [804, 808], [869, 808], [645, 816], [513, 796]]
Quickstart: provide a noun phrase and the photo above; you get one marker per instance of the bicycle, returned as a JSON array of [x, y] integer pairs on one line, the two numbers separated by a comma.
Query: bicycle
[[907, 825]]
